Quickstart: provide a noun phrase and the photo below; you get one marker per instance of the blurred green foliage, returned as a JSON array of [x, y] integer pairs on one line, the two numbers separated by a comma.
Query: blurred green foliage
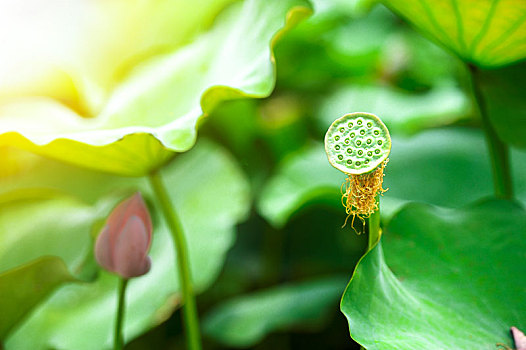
[[259, 169]]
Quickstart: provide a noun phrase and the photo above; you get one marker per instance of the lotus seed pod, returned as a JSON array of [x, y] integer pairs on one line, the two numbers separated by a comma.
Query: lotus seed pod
[[357, 143]]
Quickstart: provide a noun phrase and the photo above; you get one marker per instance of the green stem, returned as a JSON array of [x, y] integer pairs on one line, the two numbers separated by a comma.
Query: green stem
[[190, 320], [374, 227], [373, 234], [118, 340], [498, 150]]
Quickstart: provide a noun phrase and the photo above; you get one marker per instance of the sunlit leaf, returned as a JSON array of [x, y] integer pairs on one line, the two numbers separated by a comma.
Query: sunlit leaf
[[246, 320], [24, 287], [154, 109], [484, 32], [211, 196], [30, 173], [37, 222], [442, 278]]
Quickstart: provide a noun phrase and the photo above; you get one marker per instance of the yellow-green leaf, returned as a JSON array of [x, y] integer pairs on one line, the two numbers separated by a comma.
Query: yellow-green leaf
[[24, 287], [129, 117], [486, 33]]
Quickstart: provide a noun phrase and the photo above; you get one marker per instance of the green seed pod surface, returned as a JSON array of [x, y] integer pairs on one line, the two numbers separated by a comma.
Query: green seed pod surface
[[357, 143]]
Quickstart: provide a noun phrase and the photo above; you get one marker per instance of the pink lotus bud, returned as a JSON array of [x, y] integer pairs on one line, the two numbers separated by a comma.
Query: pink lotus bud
[[123, 244], [519, 338]]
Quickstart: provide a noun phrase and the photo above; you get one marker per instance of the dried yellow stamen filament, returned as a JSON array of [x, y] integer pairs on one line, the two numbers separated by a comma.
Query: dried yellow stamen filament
[[359, 193]]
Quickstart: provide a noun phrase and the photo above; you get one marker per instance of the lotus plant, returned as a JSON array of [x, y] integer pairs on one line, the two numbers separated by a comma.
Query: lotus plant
[[358, 145], [121, 87]]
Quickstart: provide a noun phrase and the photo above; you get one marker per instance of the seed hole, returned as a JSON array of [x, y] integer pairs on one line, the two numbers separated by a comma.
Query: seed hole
[[366, 161], [358, 163], [337, 146]]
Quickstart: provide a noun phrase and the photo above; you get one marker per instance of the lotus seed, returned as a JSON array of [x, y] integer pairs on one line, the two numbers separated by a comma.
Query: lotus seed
[[336, 137], [358, 163], [359, 122], [340, 157], [353, 134], [366, 161], [349, 150], [342, 129], [337, 147], [369, 141], [376, 132], [362, 132], [369, 124], [358, 143], [349, 161], [347, 140], [377, 151], [360, 152], [350, 125], [369, 153], [380, 142]]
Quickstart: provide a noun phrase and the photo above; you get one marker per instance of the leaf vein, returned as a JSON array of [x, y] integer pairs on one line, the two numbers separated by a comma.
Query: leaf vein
[[501, 39], [485, 27]]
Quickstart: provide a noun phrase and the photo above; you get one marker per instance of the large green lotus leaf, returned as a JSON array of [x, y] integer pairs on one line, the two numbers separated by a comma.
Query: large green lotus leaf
[[442, 279], [25, 172], [211, 196], [246, 320], [32, 283], [37, 222], [487, 33], [446, 167], [154, 109], [503, 90], [401, 111]]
